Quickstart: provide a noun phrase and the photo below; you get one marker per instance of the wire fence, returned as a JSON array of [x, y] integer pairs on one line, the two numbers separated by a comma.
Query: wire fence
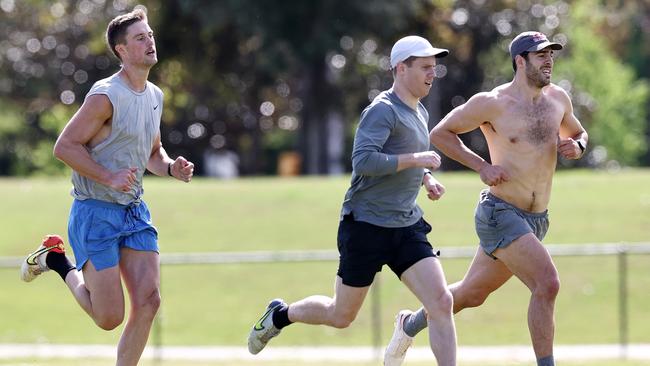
[[621, 250]]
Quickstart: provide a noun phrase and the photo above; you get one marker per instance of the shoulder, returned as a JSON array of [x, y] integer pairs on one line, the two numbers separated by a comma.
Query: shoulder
[[107, 89], [381, 105], [105, 84], [494, 99], [155, 88], [558, 93]]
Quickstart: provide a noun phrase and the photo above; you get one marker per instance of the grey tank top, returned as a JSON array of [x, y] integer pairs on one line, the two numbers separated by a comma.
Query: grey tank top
[[134, 126]]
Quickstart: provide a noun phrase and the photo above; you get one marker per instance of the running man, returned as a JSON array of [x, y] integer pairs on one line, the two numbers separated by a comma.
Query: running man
[[380, 220], [526, 123], [109, 143]]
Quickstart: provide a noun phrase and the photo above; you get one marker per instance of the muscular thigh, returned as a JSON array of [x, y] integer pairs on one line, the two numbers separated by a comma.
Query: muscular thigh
[[104, 287], [528, 259], [485, 274], [140, 270]]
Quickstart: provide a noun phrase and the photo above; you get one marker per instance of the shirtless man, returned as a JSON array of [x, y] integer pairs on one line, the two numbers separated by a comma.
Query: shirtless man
[[526, 123]]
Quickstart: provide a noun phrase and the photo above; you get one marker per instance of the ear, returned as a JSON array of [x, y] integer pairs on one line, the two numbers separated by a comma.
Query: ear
[[520, 61], [120, 49], [401, 67]]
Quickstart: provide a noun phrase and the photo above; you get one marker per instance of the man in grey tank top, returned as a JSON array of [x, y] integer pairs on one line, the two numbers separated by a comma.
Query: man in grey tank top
[[381, 224], [109, 143]]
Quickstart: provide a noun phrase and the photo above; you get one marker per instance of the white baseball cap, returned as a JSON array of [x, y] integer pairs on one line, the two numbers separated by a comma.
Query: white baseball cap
[[414, 46]]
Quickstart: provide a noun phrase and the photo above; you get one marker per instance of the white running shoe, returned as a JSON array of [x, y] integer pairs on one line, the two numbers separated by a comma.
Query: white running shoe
[[35, 264], [399, 343], [264, 329]]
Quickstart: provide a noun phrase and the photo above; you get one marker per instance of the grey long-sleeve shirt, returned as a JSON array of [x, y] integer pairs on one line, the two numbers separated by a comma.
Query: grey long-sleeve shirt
[[378, 194]]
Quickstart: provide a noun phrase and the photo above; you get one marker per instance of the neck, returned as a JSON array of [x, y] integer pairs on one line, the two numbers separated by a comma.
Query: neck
[[524, 89], [405, 95], [136, 78]]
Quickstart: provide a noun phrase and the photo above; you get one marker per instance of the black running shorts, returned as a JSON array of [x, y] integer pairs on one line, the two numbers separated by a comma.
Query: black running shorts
[[364, 248]]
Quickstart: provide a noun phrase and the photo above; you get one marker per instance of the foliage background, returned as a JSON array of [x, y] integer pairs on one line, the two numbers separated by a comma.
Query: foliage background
[[256, 79]]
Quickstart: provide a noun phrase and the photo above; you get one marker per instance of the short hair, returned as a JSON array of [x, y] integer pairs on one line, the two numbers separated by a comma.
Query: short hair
[[524, 55], [116, 30], [408, 62]]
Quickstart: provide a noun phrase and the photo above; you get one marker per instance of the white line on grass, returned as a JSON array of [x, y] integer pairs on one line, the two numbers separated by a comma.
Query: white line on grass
[[338, 354]]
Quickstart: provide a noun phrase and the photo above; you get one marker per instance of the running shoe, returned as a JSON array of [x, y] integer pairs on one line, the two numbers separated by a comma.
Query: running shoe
[[399, 343], [264, 329], [35, 264]]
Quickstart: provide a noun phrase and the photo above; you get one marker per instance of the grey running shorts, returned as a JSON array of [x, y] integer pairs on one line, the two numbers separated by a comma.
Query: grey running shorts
[[499, 223]]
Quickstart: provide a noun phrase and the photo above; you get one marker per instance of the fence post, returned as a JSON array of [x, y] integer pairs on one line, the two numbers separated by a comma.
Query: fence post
[[622, 301], [157, 331], [375, 322]]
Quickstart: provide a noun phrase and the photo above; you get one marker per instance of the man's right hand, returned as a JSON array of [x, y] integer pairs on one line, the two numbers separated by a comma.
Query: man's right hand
[[427, 159], [493, 175], [123, 179]]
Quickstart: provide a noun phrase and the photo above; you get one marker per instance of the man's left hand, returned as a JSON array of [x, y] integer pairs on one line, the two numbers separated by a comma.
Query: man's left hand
[[182, 169], [569, 149], [435, 189]]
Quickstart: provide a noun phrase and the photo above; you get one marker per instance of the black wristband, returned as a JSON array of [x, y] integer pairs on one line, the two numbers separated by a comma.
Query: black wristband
[[169, 169], [581, 146]]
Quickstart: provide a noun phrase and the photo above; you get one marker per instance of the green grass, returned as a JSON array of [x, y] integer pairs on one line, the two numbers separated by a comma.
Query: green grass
[[216, 304]]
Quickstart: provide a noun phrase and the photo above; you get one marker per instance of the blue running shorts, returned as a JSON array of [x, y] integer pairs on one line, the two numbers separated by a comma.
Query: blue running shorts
[[98, 230]]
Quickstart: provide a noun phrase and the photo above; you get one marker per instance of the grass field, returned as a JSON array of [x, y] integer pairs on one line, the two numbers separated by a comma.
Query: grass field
[[216, 304]]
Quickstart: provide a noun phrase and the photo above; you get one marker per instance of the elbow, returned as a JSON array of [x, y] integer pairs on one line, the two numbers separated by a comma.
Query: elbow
[[434, 137], [62, 150], [58, 150], [361, 168]]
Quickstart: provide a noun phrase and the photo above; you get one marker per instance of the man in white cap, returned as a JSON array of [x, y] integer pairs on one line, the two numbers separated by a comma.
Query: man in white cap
[[380, 222], [526, 123]]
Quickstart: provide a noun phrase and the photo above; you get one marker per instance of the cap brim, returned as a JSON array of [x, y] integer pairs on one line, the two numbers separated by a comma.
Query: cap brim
[[436, 52], [541, 46]]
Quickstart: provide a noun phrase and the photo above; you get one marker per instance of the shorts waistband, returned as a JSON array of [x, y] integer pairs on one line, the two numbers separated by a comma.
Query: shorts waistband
[[487, 193], [104, 204]]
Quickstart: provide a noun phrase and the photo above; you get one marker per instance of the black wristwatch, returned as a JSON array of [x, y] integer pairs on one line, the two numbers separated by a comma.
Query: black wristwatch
[[581, 146]]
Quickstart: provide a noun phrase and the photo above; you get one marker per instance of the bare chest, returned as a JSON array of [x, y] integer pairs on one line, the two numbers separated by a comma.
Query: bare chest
[[536, 124]]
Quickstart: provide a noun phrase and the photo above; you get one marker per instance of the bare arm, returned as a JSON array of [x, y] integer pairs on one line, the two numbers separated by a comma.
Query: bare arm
[[84, 126], [463, 119], [572, 134], [159, 163]]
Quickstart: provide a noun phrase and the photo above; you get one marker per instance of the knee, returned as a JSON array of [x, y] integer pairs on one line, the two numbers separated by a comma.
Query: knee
[[109, 321], [341, 318], [548, 288], [147, 303], [342, 321], [441, 306], [469, 298]]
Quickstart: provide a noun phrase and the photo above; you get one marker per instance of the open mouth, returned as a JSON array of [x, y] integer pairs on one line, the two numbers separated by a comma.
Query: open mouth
[[151, 53], [428, 83]]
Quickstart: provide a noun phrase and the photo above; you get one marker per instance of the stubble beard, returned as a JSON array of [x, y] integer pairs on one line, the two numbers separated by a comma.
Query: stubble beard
[[536, 77]]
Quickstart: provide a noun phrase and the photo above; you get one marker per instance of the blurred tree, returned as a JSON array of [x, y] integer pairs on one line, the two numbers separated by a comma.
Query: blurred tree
[[607, 96], [50, 54], [269, 76], [262, 77]]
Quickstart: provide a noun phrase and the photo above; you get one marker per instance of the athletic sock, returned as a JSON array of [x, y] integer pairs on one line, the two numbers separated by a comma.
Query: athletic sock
[[415, 322], [546, 361], [280, 316], [59, 262]]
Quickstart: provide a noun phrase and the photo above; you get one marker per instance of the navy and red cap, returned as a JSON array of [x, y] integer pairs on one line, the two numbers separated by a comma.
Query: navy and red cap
[[531, 42]]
